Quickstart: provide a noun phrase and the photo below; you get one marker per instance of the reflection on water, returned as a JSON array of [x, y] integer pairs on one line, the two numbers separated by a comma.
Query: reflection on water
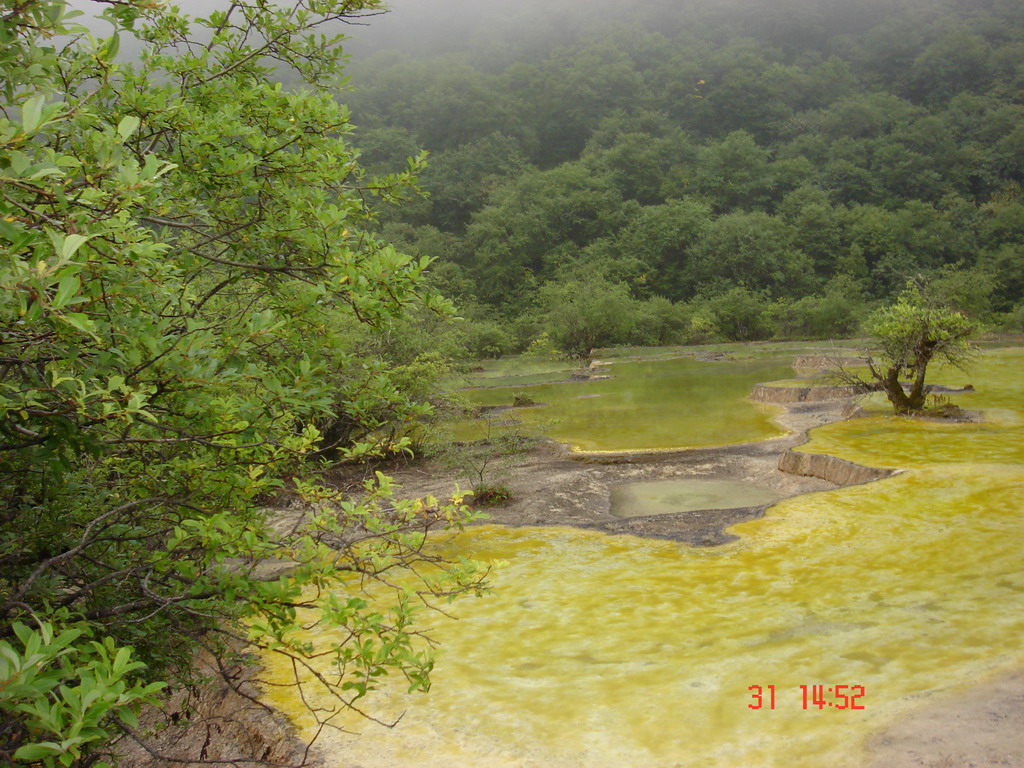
[[617, 651], [654, 405], [664, 497]]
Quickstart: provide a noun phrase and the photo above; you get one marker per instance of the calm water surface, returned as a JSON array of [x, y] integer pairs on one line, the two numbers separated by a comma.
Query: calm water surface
[[647, 406]]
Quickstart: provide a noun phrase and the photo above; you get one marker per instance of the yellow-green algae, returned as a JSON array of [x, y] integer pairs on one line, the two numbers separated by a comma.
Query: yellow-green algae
[[611, 650], [656, 405]]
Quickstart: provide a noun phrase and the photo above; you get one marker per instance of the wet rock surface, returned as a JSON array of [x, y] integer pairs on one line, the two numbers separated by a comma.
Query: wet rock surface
[[838, 471], [556, 487], [826, 362], [978, 727], [766, 393]]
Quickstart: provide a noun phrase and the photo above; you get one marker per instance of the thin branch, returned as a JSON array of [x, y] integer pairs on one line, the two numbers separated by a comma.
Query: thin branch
[[82, 544]]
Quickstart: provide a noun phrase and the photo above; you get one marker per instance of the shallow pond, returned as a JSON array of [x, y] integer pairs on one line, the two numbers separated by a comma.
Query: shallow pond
[[617, 651], [679, 403], [665, 497]]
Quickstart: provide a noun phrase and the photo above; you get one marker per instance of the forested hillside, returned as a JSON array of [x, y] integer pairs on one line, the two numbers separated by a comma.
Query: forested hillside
[[689, 171]]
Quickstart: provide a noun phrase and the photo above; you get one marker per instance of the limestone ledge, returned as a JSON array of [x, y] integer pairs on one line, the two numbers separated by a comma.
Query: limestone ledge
[[826, 362], [834, 470], [766, 393]]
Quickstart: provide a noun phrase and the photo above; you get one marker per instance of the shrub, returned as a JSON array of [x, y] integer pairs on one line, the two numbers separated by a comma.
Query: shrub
[[491, 495]]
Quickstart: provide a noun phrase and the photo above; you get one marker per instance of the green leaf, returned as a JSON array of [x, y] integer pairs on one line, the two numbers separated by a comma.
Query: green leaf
[[112, 46], [122, 659], [38, 751], [127, 126], [155, 168], [31, 112], [13, 235], [79, 321], [129, 717], [66, 290], [72, 243]]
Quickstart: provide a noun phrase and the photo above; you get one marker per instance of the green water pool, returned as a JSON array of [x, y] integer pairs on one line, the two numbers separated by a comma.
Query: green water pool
[[657, 405], [666, 497]]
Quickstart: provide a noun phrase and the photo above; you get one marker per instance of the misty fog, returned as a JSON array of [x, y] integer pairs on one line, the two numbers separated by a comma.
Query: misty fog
[[431, 27]]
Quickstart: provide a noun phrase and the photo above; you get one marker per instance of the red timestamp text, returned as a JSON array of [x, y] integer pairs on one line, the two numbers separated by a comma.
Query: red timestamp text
[[811, 696]]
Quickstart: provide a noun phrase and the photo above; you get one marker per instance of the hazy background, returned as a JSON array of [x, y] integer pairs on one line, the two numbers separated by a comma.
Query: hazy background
[[488, 28], [429, 26]]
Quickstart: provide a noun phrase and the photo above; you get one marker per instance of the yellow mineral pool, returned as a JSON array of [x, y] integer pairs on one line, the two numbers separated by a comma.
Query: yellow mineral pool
[[600, 650]]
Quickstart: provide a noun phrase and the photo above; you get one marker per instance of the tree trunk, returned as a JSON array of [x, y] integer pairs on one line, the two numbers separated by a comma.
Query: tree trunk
[[894, 391], [917, 391]]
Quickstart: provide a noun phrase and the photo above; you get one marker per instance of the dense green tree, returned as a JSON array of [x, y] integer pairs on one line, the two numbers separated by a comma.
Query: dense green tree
[[663, 240], [835, 313], [907, 337], [754, 251], [462, 105], [193, 309], [739, 94], [865, 116], [889, 49], [659, 322], [571, 95], [1005, 267], [536, 224], [905, 174], [583, 314], [895, 245], [634, 152], [735, 173], [739, 314], [848, 177], [459, 182], [383, 149], [817, 227], [969, 290], [958, 61], [393, 82]]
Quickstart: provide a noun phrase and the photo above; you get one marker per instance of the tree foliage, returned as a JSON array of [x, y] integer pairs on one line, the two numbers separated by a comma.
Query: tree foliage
[[192, 311], [908, 336], [587, 313]]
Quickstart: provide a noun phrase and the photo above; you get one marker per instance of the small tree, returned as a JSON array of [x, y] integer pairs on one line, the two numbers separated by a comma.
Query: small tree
[[487, 463], [906, 337], [586, 313]]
